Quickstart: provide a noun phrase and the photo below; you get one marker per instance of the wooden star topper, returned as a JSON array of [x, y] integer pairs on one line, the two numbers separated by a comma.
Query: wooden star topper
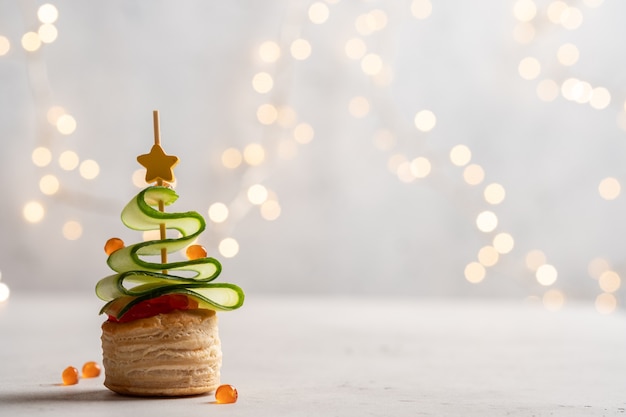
[[159, 165]]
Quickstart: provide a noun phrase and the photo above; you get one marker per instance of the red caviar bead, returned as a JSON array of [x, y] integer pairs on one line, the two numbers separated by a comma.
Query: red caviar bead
[[226, 394], [91, 370], [70, 376], [113, 245], [196, 252]]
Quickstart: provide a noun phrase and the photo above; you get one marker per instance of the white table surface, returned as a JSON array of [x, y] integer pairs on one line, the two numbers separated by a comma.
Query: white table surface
[[340, 356]]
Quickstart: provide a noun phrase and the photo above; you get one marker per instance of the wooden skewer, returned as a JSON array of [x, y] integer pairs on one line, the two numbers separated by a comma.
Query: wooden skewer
[[157, 141]]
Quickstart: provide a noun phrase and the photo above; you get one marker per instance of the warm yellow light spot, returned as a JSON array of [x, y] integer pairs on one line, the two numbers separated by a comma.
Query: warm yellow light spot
[[47, 33], [41, 156], [5, 292], [553, 300], [597, 266], [384, 139], [488, 256], [525, 10], [254, 154], [395, 161], [568, 54], [404, 172], [534, 259], [228, 247], [600, 98], [355, 48], [494, 193], [267, 114], [303, 133], [421, 9], [359, 107], [47, 13], [609, 281], [269, 51], [547, 90], [460, 155], [218, 212], [420, 167], [33, 212], [31, 41], [5, 45], [606, 303], [318, 13], [371, 64], [68, 160], [529, 68], [270, 210], [503, 243], [556, 11], [487, 221], [89, 169], [571, 18], [363, 25], [49, 184], [609, 188], [231, 158], [576, 90], [66, 124], [300, 49], [54, 113], [257, 194], [425, 120], [139, 178], [474, 272], [524, 33], [473, 174], [72, 230], [546, 275], [377, 19], [262, 82], [286, 116]]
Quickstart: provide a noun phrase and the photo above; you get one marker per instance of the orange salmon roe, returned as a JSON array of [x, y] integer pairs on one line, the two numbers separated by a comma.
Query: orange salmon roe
[[226, 394], [70, 376], [91, 370], [195, 252], [112, 245]]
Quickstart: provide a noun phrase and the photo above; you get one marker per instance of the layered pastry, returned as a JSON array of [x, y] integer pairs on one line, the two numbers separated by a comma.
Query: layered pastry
[[161, 336]]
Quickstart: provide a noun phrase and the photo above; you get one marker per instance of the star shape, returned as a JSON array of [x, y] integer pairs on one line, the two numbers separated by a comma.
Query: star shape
[[159, 165]]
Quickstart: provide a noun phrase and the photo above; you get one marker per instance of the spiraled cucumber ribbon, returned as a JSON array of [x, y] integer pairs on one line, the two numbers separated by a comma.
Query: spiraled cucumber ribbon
[[137, 279]]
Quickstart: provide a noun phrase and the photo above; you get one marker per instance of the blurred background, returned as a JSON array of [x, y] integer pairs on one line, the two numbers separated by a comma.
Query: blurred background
[[457, 149]]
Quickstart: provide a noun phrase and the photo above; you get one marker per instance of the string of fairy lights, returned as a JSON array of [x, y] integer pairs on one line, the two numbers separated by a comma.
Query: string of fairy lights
[[280, 119]]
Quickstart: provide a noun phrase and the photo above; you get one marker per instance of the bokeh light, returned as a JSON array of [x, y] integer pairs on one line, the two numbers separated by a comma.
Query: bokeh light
[[355, 48], [66, 124], [300, 49], [525, 10], [72, 230], [547, 90], [609, 281], [33, 212], [420, 167], [270, 210], [318, 12], [473, 174], [303, 133], [460, 155], [425, 120], [257, 194], [89, 169], [47, 33], [31, 41], [568, 54], [553, 299], [503, 243], [254, 154], [609, 188], [5, 292], [606, 303], [529, 68], [267, 114], [359, 107], [68, 160], [228, 247], [41, 156], [487, 221], [546, 275], [47, 13], [421, 9], [534, 259], [494, 193], [5, 45], [218, 212], [262, 82], [49, 184], [269, 51], [231, 158], [488, 256], [371, 64], [474, 272]]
